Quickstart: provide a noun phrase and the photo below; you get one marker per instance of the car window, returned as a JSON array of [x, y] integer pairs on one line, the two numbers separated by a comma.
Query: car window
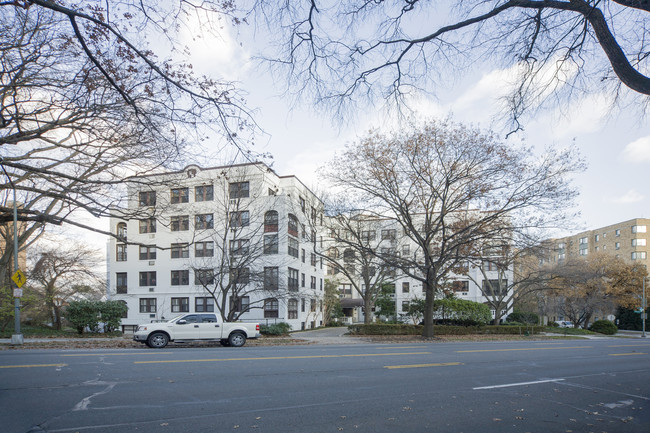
[[209, 318], [192, 318]]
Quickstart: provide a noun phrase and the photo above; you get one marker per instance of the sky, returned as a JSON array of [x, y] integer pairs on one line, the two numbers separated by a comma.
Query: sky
[[615, 145]]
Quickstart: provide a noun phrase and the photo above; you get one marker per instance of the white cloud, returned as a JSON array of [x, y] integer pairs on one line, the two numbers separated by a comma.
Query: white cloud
[[631, 196], [638, 150]]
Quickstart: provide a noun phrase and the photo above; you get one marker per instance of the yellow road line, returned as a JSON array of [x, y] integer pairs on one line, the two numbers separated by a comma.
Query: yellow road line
[[119, 354], [530, 348], [33, 365], [626, 354], [440, 364], [279, 357]]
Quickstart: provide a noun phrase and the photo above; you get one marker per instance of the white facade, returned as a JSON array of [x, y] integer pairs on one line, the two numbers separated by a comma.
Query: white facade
[[200, 225]]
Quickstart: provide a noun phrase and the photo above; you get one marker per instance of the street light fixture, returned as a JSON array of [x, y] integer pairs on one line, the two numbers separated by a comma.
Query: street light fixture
[[17, 337]]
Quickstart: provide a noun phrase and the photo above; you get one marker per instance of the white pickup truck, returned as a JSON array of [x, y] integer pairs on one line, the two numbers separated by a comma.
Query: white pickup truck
[[198, 326]]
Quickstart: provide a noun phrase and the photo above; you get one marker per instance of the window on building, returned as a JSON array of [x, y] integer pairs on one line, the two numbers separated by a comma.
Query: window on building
[[240, 275], [349, 255], [293, 247], [312, 283], [406, 287], [638, 229], [638, 255], [583, 251], [124, 315], [271, 308], [180, 195], [121, 232], [147, 305], [240, 304], [180, 251], [147, 252], [638, 242], [204, 249], [597, 238], [460, 286], [292, 225], [312, 260], [312, 305], [120, 254], [617, 232], [147, 278], [180, 277], [204, 305], [583, 240], [204, 193], [389, 234], [302, 203], [180, 305], [617, 245], [302, 255], [239, 218], [406, 250], [302, 280], [292, 282], [368, 235], [203, 277], [239, 247], [179, 223], [292, 309], [148, 225], [147, 198], [405, 306], [120, 283], [495, 287], [271, 244], [204, 221], [271, 278], [239, 189], [271, 221]]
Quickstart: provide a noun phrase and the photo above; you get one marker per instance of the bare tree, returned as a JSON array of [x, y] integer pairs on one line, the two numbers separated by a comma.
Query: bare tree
[[449, 187], [355, 251], [338, 51], [61, 274], [84, 103]]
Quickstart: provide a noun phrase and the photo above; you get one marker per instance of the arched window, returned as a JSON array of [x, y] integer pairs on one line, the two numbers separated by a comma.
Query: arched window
[[292, 308], [121, 231], [348, 255], [271, 222], [271, 308], [293, 225], [333, 253]]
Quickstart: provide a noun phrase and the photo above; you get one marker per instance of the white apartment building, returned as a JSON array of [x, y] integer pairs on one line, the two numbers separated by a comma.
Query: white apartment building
[[241, 232], [387, 238]]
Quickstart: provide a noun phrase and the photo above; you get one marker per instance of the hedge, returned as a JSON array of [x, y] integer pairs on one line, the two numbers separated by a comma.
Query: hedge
[[384, 329]]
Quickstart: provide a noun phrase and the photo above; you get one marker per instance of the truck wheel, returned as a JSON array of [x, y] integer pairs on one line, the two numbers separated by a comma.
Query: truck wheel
[[157, 340], [224, 342], [237, 339]]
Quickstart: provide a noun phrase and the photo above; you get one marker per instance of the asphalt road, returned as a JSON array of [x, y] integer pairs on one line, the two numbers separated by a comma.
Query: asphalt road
[[551, 386]]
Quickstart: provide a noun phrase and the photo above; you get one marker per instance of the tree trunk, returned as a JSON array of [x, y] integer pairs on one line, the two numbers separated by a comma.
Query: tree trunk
[[367, 305], [427, 332], [57, 317]]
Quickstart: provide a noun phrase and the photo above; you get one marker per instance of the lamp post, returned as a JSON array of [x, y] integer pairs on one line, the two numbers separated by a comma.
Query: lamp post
[[17, 337], [643, 308]]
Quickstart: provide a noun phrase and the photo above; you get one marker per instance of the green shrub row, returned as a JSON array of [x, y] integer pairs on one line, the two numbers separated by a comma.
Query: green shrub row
[[604, 327], [385, 329], [281, 328]]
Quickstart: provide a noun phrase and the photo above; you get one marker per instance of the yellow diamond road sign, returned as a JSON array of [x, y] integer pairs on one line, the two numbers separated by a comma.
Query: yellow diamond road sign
[[19, 278]]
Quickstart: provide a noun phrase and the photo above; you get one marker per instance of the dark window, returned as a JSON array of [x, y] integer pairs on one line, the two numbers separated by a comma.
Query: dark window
[[406, 287], [271, 308], [312, 306], [204, 193], [239, 189], [125, 315], [181, 277], [180, 251], [147, 252], [239, 275], [389, 234], [349, 255], [204, 305], [147, 198], [180, 305], [239, 303], [313, 259], [369, 235], [271, 221], [179, 223], [147, 305], [460, 286], [494, 288], [147, 278], [239, 219], [302, 280], [204, 249], [292, 308], [148, 225], [120, 282], [120, 254], [293, 248], [204, 276], [271, 244], [121, 232], [271, 280], [292, 225], [293, 279], [239, 247], [312, 283], [302, 255], [180, 195], [203, 221]]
